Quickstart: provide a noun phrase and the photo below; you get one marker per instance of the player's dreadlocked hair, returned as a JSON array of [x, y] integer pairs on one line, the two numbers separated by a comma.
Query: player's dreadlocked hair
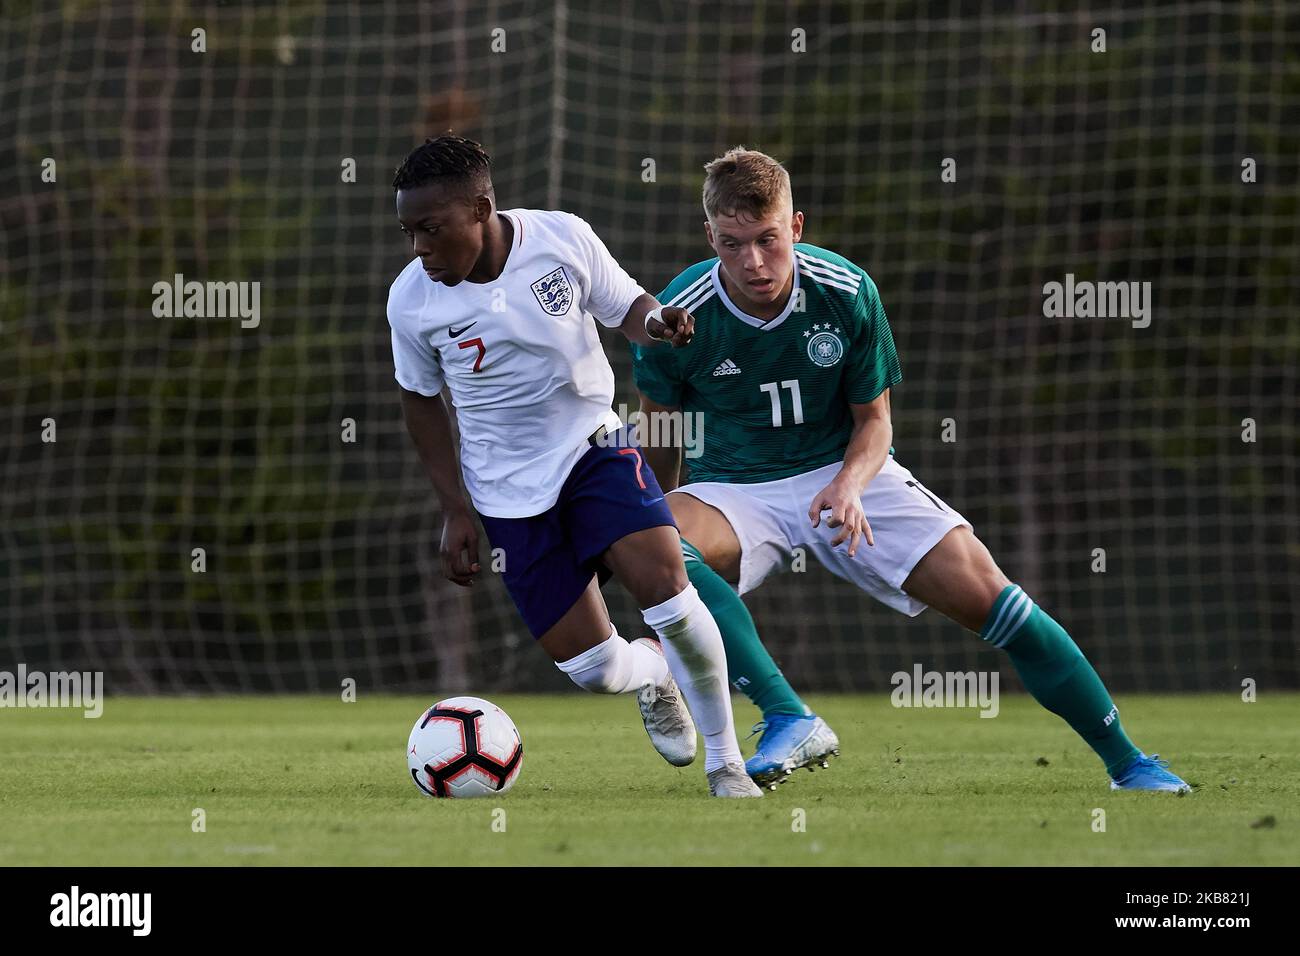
[[447, 157]]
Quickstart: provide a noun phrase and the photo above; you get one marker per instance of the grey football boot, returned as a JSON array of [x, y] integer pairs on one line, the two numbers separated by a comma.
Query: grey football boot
[[731, 780], [666, 718]]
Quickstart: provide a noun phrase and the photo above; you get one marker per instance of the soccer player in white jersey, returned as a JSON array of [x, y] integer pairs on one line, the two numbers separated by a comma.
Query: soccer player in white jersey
[[500, 308], [791, 365]]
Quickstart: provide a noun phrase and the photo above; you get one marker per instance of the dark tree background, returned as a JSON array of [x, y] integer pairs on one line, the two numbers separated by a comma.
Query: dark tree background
[[226, 165]]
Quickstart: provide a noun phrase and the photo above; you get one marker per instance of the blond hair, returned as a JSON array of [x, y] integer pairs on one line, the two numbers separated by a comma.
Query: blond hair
[[745, 181]]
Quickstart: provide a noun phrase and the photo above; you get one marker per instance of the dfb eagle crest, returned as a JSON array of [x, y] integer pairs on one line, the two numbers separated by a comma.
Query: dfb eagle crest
[[554, 292]]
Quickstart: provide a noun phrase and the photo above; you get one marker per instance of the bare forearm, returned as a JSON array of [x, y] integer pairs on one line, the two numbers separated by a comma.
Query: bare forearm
[[634, 322], [664, 460], [674, 325], [666, 463], [867, 450], [430, 429]]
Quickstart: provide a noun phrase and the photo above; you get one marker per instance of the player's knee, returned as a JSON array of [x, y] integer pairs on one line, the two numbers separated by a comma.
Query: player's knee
[[662, 585], [990, 588], [978, 580]]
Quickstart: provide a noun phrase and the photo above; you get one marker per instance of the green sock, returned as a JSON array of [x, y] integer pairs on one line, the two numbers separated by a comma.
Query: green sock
[[750, 667], [1055, 671]]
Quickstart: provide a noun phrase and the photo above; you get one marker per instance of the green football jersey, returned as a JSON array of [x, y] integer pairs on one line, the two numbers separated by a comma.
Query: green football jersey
[[773, 396]]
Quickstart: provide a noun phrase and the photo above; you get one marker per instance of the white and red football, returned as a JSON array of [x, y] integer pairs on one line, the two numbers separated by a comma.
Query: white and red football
[[464, 747]]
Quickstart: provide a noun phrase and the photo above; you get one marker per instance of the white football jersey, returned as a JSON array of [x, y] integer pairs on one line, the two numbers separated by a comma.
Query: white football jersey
[[521, 356]]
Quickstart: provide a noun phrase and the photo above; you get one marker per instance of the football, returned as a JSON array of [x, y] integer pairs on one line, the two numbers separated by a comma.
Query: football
[[464, 747]]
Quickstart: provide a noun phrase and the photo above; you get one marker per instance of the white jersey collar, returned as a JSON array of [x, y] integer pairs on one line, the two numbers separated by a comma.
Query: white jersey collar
[[764, 324]]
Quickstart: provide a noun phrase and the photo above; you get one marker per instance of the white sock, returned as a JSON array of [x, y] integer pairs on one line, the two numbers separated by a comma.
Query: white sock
[[615, 666], [693, 646]]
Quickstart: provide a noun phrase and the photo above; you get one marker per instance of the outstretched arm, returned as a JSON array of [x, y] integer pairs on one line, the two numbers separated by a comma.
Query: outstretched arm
[[672, 325]]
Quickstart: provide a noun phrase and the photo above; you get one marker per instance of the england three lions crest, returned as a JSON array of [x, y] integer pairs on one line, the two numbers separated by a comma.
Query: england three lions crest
[[554, 292]]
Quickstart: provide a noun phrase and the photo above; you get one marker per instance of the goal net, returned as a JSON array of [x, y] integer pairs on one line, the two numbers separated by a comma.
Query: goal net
[[230, 502]]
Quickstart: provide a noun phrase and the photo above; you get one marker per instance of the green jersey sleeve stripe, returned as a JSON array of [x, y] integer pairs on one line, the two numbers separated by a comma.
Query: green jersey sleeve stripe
[[690, 289], [849, 290], [825, 274], [833, 283], [831, 267], [699, 300]]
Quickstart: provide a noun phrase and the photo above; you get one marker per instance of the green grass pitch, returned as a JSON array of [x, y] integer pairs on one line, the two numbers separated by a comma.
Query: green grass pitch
[[308, 780]]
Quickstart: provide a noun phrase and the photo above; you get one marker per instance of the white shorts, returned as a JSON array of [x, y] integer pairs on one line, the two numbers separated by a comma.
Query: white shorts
[[770, 519]]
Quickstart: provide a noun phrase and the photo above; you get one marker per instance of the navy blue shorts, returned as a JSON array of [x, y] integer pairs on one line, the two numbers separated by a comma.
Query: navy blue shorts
[[550, 558]]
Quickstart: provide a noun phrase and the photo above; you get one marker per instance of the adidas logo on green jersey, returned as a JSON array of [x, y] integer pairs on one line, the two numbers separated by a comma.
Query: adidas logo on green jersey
[[728, 367]]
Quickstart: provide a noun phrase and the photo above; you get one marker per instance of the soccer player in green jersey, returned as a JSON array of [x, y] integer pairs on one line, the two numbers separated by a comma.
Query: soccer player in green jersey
[[791, 369]]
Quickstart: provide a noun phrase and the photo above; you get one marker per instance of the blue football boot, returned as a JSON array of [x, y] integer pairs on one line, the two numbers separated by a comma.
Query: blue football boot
[[1149, 773], [789, 742]]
